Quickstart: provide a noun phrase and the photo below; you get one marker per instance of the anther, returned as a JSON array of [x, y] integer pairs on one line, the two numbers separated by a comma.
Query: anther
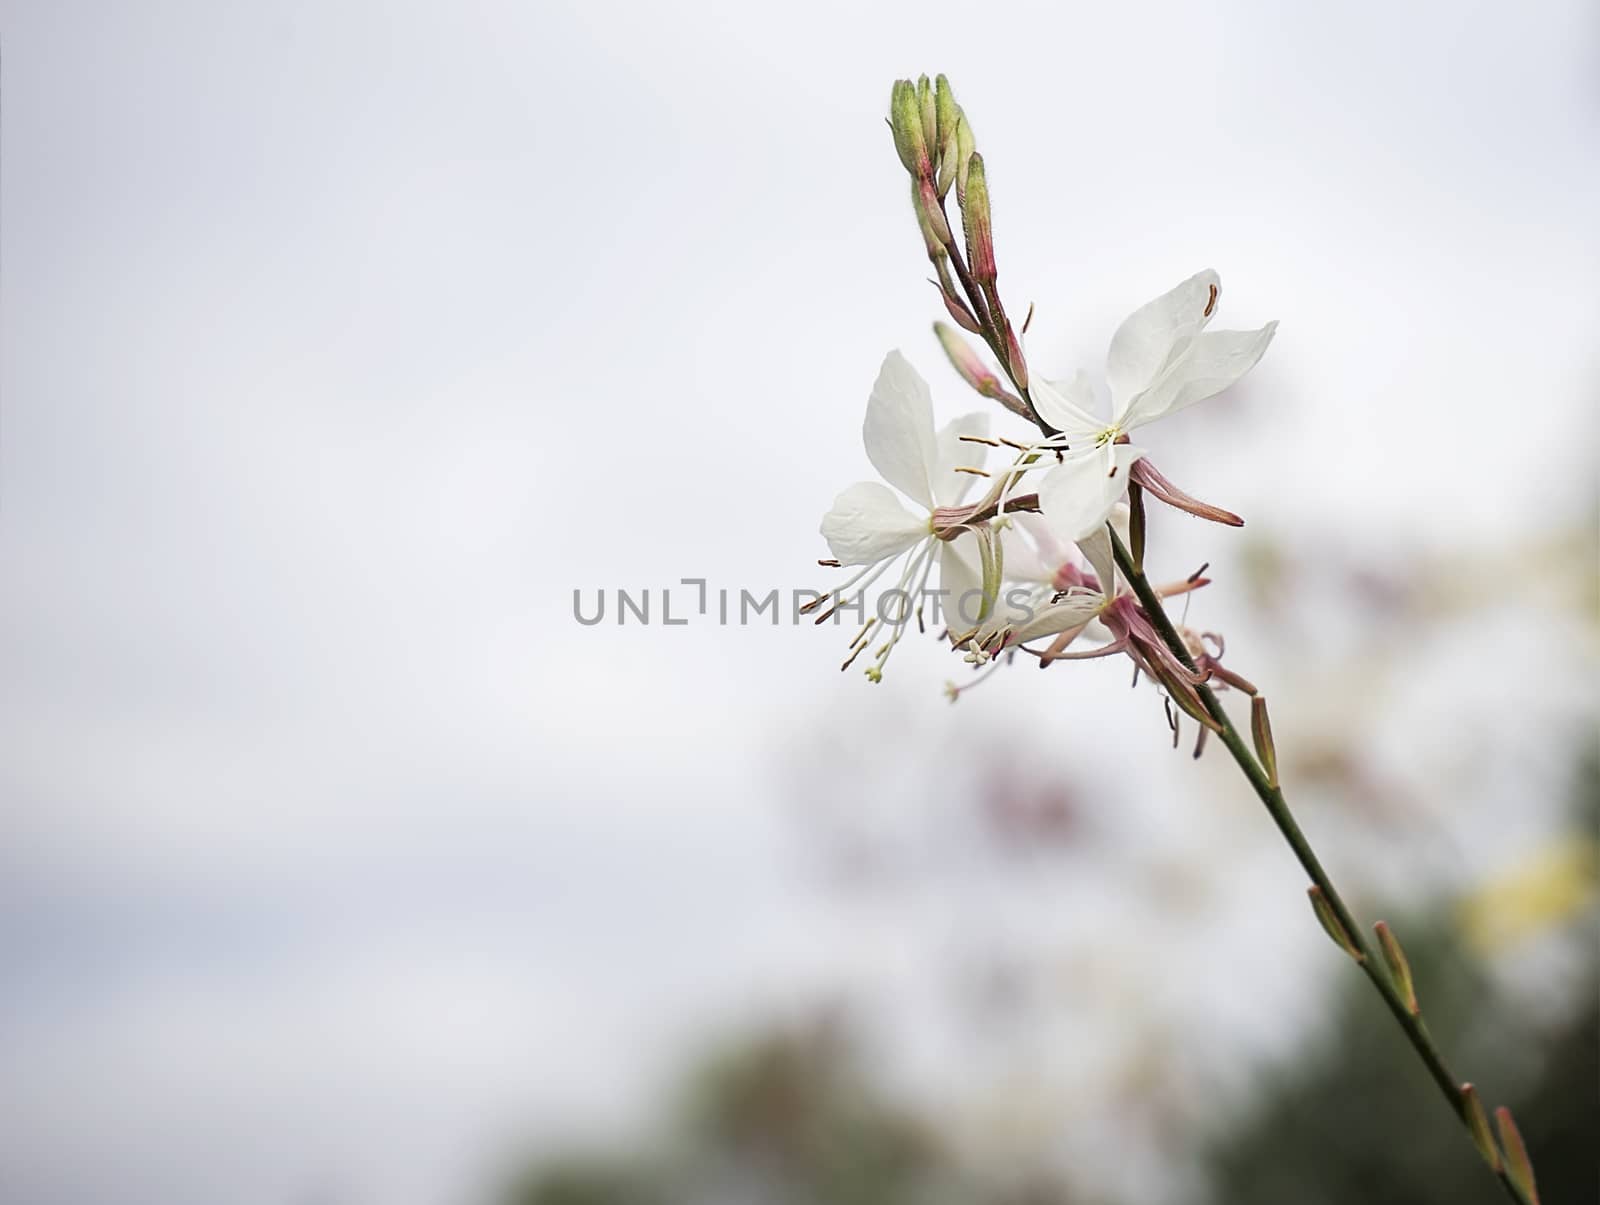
[[979, 439], [830, 564], [1196, 575], [1211, 303], [974, 472], [1028, 320]]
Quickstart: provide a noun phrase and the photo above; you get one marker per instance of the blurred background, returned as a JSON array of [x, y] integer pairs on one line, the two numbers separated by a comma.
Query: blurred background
[[343, 342]]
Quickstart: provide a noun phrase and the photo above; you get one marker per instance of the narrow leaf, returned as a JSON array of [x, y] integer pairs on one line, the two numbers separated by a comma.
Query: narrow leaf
[[1331, 925], [1399, 968], [1478, 1127], [1518, 1166]]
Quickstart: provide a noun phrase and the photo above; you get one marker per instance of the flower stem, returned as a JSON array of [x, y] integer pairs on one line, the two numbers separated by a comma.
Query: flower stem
[[1277, 806]]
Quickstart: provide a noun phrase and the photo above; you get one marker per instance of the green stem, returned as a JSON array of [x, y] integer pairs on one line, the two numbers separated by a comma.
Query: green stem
[[1278, 808]]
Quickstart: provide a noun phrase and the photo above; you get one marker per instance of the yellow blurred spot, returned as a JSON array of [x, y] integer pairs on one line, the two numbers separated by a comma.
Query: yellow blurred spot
[[1544, 891]]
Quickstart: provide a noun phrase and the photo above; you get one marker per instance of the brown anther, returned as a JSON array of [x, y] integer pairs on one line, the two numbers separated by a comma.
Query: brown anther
[[830, 564], [961, 468], [979, 439], [828, 614], [1028, 320], [814, 604], [1211, 303], [1198, 573]]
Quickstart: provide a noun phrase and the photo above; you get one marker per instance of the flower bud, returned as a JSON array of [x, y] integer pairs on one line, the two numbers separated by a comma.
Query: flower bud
[[1478, 1127], [948, 116], [1399, 968], [965, 148], [905, 120], [976, 221], [930, 207], [974, 371], [1018, 366], [945, 108], [956, 307], [928, 108]]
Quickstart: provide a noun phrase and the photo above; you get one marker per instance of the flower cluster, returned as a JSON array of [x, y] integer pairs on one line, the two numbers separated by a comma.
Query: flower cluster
[[1029, 566]]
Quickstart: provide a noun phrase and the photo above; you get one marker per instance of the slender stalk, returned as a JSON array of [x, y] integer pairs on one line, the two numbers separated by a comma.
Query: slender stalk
[[1277, 806]]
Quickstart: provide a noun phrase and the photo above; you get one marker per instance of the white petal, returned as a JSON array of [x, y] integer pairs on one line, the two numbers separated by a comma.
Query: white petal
[[868, 524], [1068, 406], [949, 486], [1033, 553], [1041, 615], [1077, 496], [898, 431], [961, 583], [1144, 341], [1096, 549], [1201, 367]]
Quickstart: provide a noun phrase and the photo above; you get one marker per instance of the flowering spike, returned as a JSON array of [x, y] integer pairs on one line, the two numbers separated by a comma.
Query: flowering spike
[[1261, 734], [1331, 925], [1478, 1127], [1399, 968], [1518, 1166], [905, 119], [975, 219]]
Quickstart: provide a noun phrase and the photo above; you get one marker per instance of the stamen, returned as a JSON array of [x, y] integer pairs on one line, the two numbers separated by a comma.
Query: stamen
[[1028, 319], [961, 468], [979, 439], [1211, 303], [830, 564], [1198, 573]]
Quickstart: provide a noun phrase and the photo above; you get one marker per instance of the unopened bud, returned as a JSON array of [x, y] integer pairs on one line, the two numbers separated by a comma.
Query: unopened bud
[[1518, 1166], [905, 120], [966, 145], [928, 109], [974, 371], [947, 116], [932, 208], [1260, 732], [976, 220], [1018, 366], [1399, 968], [955, 306], [936, 249], [1478, 1127], [1330, 924]]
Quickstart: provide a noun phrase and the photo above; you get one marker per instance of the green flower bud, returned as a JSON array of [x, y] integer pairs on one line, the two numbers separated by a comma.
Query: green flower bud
[[905, 120]]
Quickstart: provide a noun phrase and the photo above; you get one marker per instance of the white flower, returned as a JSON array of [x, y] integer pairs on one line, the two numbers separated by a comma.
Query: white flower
[[1161, 360], [870, 526]]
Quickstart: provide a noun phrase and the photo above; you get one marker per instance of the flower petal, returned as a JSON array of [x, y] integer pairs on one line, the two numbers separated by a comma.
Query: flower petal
[[1201, 367], [1044, 613], [960, 583], [898, 431], [1077, 496], [1144, 341], [1067, 405], [867, 524], [950, 450], [1096, 549]]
